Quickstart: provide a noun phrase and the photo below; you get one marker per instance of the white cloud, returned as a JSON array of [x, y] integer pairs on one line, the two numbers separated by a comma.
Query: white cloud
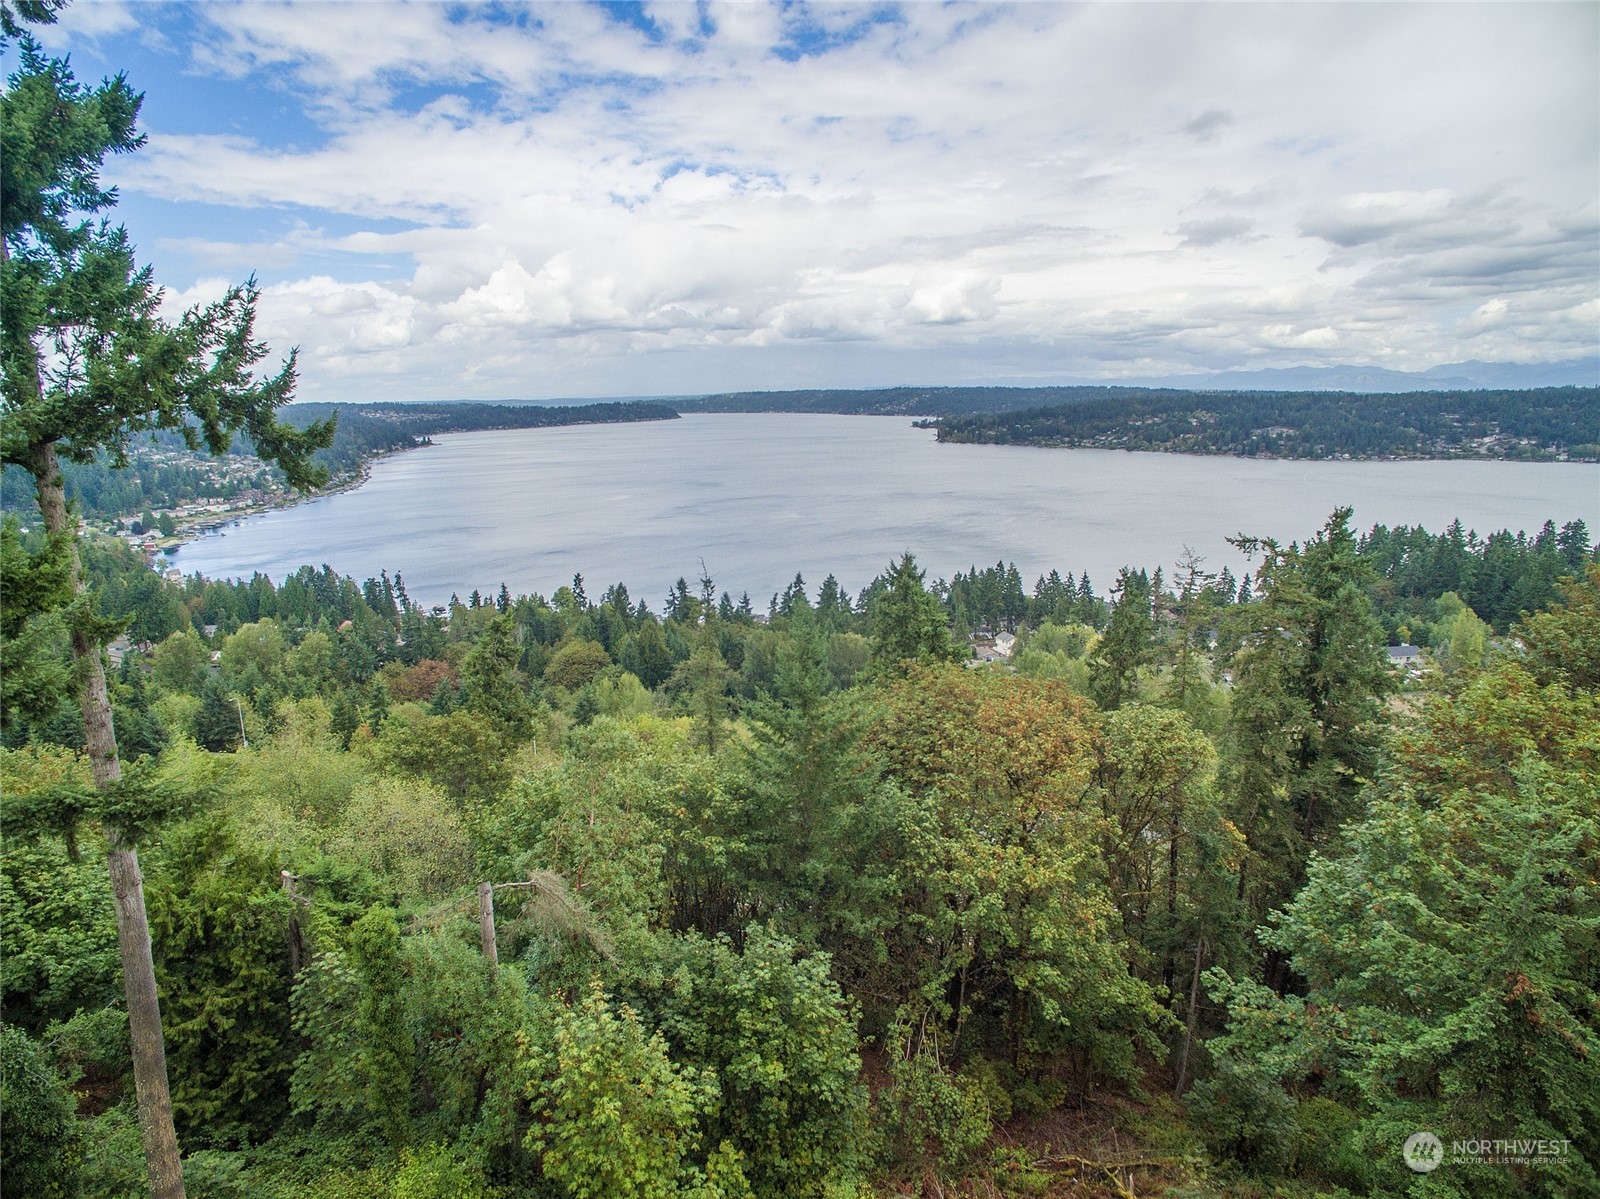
[[1077, 189], [91, 21], [338, 323], [954, 300], [207, 290], [1371, 217]]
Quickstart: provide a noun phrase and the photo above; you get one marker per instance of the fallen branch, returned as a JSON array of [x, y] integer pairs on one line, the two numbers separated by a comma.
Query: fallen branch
[[1070, 1161]]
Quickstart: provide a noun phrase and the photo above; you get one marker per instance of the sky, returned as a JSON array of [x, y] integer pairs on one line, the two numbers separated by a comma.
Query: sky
[[493, 200]]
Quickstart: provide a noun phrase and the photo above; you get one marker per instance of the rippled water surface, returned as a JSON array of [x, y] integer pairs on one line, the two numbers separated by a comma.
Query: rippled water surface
[[759, 497]]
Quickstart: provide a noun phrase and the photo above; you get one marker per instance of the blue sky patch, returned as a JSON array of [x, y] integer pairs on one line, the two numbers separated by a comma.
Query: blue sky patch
[[805, 36]]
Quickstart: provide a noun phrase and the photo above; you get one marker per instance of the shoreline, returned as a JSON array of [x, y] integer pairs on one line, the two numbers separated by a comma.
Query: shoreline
[[1550, 460], [1542, 457], [201, 527]]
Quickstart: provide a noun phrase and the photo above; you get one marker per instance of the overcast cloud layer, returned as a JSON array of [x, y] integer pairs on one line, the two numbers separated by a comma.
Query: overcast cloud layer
[[575, 200]]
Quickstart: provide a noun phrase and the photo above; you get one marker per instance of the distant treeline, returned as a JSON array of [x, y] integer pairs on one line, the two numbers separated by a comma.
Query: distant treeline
[[159, 480], [1538, 424], [1500, 577], [909, 401], [464, 416], [366, 430]]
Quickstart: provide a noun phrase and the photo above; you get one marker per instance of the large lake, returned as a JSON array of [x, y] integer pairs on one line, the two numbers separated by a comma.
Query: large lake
[[758, 497]]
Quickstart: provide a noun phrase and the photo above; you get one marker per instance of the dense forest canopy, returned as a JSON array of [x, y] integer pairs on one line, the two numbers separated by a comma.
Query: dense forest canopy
[[805, 901]]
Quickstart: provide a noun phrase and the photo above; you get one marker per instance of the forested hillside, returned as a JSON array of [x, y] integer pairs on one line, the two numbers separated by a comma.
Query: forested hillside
[[1194, 892], [367, 429], [1537, 424], [166, 473], [903, 401]]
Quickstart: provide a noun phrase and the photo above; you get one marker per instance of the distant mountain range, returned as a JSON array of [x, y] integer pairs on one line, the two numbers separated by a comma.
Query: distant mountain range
[[1453, 376], [1580, 372]]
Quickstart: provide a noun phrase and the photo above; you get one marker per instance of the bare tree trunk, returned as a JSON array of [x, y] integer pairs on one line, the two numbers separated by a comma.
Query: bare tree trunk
[[1169, 970], [1193, 1022], [144, 1027], [127, 884], [486, 937], [292, 936]]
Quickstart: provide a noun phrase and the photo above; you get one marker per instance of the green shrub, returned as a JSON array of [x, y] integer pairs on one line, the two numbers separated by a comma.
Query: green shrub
[[778, 1036], [1323, 1145], [936, 1119], [41, 1151], [433, 1173], [615, 1119], [1245, 1116]]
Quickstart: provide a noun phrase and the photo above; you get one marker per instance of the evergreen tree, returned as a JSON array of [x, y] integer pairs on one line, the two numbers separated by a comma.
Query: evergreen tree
[[1126, 645], [794, 596], [680, 603], [1309, 680], [388, 1051], [1013, 603], [646, 655], [86, 362], [1574, 544], [1193, 607], [704, 676], [833, 606], [140, 731], [216, 724], [490, 684], [1448, 948], [1564, 643], [816, 806], [219, 914], [908, 622], [346, 716], [33, 681]]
